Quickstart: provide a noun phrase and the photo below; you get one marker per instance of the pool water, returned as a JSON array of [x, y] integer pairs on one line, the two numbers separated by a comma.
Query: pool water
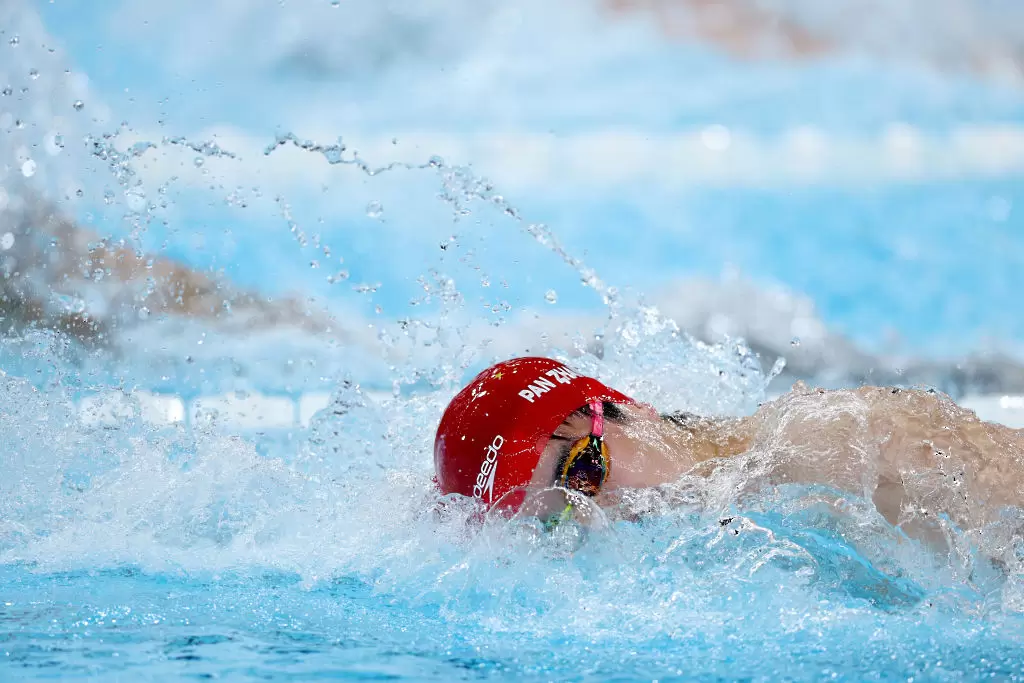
[[144, 553], [211, 548]]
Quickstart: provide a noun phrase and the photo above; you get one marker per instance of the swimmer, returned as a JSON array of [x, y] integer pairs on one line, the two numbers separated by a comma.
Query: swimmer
[[531, 425], [961, 36], [51, 259]]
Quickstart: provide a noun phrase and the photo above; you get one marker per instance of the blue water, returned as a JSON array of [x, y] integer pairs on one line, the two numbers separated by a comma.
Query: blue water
[[202, 550], [265, 627]]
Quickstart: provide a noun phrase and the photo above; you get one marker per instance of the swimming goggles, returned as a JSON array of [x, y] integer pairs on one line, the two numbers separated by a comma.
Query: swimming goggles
[[584, 469]]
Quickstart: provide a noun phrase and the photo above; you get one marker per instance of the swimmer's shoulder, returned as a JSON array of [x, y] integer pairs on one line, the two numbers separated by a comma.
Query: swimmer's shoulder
[[682, 418]]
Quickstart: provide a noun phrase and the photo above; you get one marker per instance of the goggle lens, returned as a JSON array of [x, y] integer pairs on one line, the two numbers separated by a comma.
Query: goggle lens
[[586, 467]]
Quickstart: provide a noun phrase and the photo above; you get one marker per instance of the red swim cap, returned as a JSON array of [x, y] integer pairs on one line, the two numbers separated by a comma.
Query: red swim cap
[[492, 434]]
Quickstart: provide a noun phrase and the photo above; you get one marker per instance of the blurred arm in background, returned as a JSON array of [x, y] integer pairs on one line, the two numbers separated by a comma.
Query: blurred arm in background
[[56, 274], [740, 27], [968, 36]]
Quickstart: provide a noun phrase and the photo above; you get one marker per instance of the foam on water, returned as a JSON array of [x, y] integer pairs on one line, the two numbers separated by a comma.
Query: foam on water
[[201, 550], [758, 581]]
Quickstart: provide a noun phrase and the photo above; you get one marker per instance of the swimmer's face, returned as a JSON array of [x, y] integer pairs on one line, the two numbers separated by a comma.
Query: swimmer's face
[[637, 461]]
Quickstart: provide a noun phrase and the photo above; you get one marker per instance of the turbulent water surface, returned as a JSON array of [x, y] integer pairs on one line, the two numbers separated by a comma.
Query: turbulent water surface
[[163, 232]]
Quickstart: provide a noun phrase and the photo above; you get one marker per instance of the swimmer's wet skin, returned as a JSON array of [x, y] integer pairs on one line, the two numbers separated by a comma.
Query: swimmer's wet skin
[[529, 425]]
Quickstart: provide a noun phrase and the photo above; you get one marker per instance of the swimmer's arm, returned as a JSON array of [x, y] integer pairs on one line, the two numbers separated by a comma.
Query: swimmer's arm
[[739, 27], [744, 29]]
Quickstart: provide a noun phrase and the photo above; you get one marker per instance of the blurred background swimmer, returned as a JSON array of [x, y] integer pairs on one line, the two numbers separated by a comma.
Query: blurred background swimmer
[[58, 275], [955, 36]]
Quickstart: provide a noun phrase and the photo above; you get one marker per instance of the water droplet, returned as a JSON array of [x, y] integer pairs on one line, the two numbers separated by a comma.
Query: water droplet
[[335, 3], [28, 169], [79, 193], [136, 198], [143, 312], [198, 162], [7, 91], [777, 368], [366, 288], [333, 154], [795, 341], [79, 105], [314, 264], [58, 141], [33, 74], [108, 197], [551, 296], [374, 209], [435, 162], [7, 241], [19, 124], [14, 41]]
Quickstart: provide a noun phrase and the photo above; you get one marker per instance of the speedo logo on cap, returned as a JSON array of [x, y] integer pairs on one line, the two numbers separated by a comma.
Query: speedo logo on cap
[[485, 479], [542, 384]]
